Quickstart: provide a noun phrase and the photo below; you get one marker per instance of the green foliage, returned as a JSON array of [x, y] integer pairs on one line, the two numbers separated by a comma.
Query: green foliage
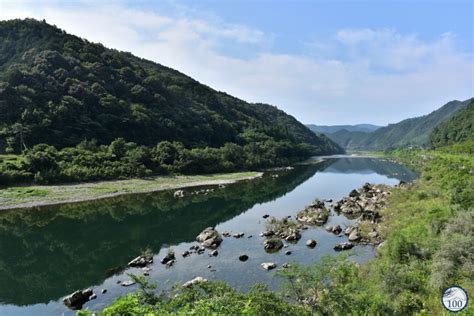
[[458, 129], [59, 90], [205, 299]]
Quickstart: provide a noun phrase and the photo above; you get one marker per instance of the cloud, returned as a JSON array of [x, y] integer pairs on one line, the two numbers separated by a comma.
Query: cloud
[[358, 75]]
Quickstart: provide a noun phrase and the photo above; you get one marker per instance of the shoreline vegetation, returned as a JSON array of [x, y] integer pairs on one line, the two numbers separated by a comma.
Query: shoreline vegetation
[[427, 238], [47, 195]]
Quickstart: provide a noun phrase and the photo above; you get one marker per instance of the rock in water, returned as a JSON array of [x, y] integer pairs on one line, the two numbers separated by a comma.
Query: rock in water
[[243, 258], [268, 265], [127, 283], [194, 281], [168, 258], [354, 235], [314, 214], [213, 253], [343, 246], [78, 298], [272, 244], [209, 238], [311, 243], [140, 261]]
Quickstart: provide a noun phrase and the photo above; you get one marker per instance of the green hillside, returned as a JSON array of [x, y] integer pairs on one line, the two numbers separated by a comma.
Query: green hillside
[[458, 129], [60, 89], [409, 132]]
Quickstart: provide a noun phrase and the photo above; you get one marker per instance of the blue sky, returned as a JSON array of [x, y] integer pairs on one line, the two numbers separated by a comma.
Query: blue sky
[[325, 62]]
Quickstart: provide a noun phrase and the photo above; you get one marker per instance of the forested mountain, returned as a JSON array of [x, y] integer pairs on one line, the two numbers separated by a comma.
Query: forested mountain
[[330, 129], [459, 128], [59, 89], [409, 132]]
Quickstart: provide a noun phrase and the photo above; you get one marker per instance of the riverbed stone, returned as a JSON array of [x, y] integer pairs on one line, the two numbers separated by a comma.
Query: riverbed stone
[[78, 298], [243, 258], [311, 243], [273, 244], [343, 246], [209, 238], [268, 265], [194, 281], [140, 261]]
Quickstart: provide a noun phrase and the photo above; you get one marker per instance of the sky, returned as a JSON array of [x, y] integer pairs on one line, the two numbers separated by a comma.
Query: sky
[[324, 62]]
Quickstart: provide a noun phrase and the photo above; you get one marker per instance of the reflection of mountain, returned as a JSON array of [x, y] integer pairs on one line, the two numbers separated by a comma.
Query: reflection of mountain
[[48, 253], [371, 165]]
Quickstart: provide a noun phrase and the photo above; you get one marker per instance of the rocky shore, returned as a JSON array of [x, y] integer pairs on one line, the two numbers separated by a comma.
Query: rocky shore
[[364, 205]]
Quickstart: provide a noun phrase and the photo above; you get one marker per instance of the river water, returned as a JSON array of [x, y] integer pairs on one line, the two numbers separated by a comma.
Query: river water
[[49, 252]]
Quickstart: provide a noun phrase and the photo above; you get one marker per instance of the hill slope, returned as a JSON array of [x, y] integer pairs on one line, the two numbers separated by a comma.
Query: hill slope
[[409, 132], [60, 89], [459, 128], [330, 129]]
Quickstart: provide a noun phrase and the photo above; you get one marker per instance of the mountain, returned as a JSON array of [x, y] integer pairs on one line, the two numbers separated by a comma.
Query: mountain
[[457, 129], [59, 89], [330, 129], [409, 132]]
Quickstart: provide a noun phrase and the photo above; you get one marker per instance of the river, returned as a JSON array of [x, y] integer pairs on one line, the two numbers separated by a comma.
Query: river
[[49, 252]]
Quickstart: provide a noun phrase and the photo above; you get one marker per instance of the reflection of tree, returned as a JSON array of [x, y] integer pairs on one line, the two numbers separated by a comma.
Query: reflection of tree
[[49, 252], [380, 166]]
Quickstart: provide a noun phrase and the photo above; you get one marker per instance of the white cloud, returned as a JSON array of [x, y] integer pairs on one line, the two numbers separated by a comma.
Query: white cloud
[[379, 76]]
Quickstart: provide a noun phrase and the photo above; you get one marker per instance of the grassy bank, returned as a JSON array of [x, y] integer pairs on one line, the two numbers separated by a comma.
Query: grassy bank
[[429, 245], [29, 196]]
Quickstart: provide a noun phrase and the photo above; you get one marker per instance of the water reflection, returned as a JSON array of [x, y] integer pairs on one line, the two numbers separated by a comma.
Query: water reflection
[[51, 251]]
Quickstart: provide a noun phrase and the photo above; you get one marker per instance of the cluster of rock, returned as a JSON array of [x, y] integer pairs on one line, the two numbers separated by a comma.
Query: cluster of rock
[[365, 202], [314, 214]]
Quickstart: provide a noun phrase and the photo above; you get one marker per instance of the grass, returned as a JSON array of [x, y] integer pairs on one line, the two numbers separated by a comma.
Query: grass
[[17, 197]]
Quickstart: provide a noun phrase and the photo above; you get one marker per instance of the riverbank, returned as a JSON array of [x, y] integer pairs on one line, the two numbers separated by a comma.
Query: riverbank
[[44, 195]]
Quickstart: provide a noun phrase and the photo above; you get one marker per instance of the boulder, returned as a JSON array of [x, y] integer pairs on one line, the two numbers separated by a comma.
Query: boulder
[[268, 265], [243, 258], [186, 253], [314, 214], [293, 236], [311, 243], [288, 253], [213, 253], [335, 229], [103, 291], [168, 258], [127, 283], [140, 261], [343, 246], [354, 193], [178, 194], [266, 216], [209, 238], [272, 244], [348, 230], [78, 298], [238, 235], [354, 235], [194, 281]]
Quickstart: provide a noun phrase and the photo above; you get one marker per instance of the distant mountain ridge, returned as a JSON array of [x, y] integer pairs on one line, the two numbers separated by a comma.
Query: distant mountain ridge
[[410, 132], [325, 129]]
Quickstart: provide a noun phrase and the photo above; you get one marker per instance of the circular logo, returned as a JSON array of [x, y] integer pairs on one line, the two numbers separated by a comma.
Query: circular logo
[[454, 299]]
